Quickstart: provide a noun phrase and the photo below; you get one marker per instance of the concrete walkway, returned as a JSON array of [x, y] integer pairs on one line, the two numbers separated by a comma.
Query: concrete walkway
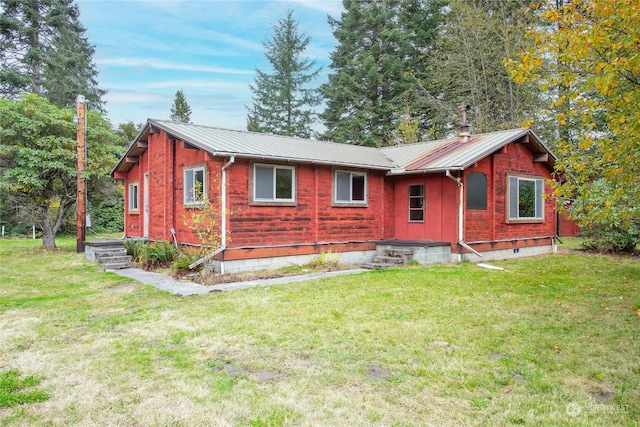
[[183, 288]]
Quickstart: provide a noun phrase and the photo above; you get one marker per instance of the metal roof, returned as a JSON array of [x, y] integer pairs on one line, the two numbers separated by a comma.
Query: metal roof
[[420, 157], [276, 147], [452, 154]]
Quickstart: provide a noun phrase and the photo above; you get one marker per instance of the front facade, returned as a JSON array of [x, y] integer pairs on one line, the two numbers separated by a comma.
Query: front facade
[[286, 200]]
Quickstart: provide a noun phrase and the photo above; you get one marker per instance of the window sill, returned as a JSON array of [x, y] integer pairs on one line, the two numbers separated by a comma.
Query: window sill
[[525, 221], [349, 205], [272, 203]]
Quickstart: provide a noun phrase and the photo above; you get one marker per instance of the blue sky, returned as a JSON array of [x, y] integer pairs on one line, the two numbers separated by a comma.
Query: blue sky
[[147, 50]]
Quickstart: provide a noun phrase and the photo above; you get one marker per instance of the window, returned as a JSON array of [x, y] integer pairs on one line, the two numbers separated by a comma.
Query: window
[[526, 199], [476, 191], [274, 184], [416, 203], [350, 187], [133, 197], [195, 190]]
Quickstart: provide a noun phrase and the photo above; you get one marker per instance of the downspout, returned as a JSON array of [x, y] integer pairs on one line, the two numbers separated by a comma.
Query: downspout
[[223, 219], [223, 214], [461, 242]]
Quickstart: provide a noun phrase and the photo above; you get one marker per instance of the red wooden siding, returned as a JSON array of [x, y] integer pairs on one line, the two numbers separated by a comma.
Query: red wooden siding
[[312, 220], [441, 217], [490, 224], [442, 198]]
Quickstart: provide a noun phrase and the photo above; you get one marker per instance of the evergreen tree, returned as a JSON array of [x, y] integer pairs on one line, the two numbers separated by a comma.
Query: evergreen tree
[[43, 51], [282, 100], [180, 110], [468, 67], [372, 87]]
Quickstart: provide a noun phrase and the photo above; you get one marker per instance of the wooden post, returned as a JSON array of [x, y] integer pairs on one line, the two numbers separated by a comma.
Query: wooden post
[[81, 208]]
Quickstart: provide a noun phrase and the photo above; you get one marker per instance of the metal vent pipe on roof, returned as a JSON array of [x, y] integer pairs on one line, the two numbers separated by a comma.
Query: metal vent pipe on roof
[[465, 135]]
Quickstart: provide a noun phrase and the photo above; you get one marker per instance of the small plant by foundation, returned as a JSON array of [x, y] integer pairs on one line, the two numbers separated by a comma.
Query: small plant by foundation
[[325, 260]]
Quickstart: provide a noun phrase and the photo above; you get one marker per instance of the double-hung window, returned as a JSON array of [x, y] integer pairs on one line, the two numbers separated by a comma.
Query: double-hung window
[[525, 199], [195, 190], [350, 187], [273, 184], [133, 197], [416, 203]]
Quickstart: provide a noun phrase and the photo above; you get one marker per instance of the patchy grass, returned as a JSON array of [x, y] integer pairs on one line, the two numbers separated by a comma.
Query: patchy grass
[[550, 340], [17, 390]]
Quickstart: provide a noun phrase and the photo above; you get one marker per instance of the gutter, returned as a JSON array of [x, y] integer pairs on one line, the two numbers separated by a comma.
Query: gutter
[[461, 242], [223, 219]]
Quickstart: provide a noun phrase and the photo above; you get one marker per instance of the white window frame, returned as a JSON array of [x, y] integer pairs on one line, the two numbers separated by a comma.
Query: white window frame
[[134, 197], [350, 201], [189, 193], [273, 199], [513, 196]]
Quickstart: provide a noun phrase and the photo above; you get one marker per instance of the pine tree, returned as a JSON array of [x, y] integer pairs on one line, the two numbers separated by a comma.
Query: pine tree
[[180, 110], [43, 51], [282, 101], [372, 87]]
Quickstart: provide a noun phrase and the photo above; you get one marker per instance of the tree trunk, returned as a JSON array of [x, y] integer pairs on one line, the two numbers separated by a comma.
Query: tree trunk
[[48, 236], [49, 231]]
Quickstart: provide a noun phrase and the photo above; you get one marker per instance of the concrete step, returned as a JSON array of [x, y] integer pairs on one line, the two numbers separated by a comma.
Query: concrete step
[[115, 258], [399, 252], [119, 265], [102, 252], [379, 259], [379, 265]]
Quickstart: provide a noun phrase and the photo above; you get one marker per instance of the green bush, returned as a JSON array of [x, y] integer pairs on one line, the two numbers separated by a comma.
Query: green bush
[[135, 248], [183, 261]]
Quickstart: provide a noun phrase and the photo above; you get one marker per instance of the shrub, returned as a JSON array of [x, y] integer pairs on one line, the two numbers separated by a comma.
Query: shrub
[[159, 254], [135, 248], [325, 260], [183, 261]]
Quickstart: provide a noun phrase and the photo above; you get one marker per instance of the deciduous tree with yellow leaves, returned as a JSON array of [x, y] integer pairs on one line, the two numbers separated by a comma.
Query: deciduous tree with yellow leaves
[[589, 61]]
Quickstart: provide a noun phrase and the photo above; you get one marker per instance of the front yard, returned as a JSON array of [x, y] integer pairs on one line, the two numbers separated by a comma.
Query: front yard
[[551, 340]]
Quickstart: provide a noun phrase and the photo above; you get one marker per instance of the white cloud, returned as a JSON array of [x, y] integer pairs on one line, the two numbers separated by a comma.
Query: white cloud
[[164, 65]]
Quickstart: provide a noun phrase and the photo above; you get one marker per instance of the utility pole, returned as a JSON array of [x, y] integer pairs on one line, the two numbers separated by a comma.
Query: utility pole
[[81, 206]]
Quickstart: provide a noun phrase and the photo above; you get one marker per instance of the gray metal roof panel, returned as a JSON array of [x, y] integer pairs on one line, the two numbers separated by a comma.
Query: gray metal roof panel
[[266, 146]]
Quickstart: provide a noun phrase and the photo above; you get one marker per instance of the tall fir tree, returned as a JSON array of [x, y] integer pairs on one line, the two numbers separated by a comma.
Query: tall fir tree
[[372, 87], [43, 51], [180, 110], [468, 67], [283, 100]]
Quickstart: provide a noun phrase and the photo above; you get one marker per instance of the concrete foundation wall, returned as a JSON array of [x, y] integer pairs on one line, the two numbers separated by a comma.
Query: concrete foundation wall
[[423, 254], [501, 254], [274, 263]]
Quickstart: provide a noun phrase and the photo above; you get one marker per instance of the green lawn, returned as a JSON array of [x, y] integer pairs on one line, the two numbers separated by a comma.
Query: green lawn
[[549, 341]]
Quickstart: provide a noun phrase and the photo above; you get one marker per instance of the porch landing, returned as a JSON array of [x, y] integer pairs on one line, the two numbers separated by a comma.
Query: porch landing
[[394, 252]]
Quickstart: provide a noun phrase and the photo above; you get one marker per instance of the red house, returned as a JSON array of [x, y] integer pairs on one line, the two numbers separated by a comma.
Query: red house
[[286, 200]]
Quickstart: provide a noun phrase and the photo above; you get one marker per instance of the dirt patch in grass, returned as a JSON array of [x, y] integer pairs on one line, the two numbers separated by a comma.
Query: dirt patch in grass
[[124, 288]]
